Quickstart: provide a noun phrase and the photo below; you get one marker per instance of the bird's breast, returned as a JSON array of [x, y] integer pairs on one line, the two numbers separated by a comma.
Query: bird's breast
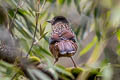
[[61, 41], [60, 27]]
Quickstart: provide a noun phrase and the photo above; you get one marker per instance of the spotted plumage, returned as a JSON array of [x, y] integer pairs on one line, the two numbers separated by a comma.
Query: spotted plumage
[[62, 40]]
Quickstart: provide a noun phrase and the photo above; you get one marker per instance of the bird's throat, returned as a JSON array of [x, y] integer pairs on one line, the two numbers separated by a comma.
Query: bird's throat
[[59, 27]]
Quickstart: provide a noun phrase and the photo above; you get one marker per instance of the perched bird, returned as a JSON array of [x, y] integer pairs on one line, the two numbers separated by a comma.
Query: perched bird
[[62, 40]]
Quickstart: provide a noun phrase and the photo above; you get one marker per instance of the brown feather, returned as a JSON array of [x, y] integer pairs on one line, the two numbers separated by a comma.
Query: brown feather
[[62, 41]]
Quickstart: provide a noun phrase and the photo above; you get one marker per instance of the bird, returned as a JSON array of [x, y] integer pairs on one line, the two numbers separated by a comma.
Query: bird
[[62, 42]]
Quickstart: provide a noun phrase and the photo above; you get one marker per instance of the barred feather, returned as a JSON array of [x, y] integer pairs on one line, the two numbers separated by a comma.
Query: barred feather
[[62, 40]]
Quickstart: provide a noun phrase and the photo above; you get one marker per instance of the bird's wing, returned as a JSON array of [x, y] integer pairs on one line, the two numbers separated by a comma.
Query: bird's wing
[[68, 35], [54, 50], [67, 47], [54, 38]]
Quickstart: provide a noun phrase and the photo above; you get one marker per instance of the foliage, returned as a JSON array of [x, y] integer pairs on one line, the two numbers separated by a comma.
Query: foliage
[[101, 17]]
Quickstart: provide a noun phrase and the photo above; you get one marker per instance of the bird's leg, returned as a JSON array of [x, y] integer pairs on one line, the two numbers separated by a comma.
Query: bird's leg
[[56, 59], [73, 62]]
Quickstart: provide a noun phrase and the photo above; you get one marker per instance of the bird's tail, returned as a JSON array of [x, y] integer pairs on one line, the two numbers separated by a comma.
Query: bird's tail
[[67, 47]]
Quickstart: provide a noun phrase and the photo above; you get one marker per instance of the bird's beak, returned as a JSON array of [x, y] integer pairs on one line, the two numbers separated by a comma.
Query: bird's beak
[[49, 21]]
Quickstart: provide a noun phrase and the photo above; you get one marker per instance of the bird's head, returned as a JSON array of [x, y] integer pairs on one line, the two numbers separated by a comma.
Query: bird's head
[[58, 19]]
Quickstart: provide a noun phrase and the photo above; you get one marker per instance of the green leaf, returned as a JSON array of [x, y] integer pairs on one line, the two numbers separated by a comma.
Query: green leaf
[[97, 12], [31, 74], [41, 31], [107, 69], [37, 74], [118, 49], [69, 2], [61, 2], [98, 50], [20, 27], [89, 46], [98, 34], [75, 71], [40, 51], [51, 1], [11, 13], [76, 2], [27, 19], [44, 26], [115, 16], [83, 29], [78, 30], [44, 50], [95, 55], [118, 34], [62, 70], [24, 12], [43, 35], [24, 44], [5, 65]]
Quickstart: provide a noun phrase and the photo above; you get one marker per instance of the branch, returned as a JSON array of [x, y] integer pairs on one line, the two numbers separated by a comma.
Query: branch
[[14, 76], [19, 4], [37, 17]]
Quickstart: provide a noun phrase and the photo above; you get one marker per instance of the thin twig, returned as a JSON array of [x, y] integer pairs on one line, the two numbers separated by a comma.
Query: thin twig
[[14, 76], [32, 42], [18, 6], [37, 16], [13, 19], [73, 62], [42, 6]]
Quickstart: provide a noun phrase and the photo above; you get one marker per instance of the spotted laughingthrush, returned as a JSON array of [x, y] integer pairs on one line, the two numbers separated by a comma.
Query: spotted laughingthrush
[[62, 40]]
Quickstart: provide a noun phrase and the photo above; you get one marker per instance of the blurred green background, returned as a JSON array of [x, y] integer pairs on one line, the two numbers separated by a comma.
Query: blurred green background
[[96, 24]]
